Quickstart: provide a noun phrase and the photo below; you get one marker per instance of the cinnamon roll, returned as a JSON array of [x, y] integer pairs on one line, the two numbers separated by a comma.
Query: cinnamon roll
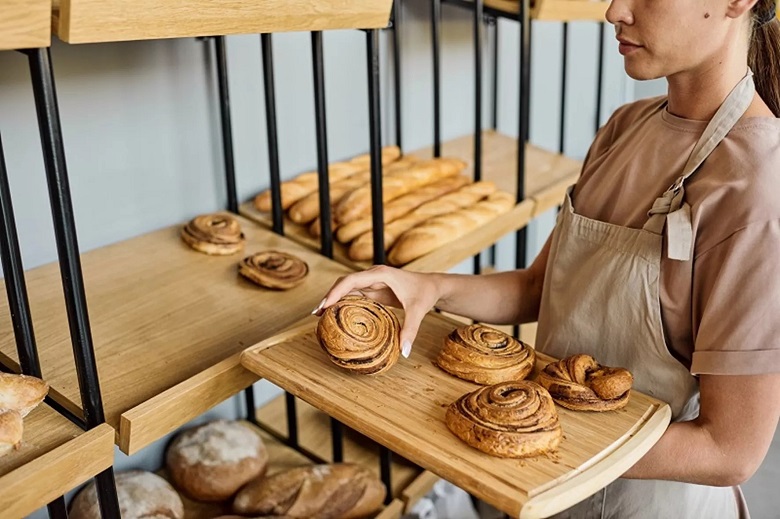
[[582, 384], [485, 355], [274, 269], [217, 234], [507, 420], [360, 335]]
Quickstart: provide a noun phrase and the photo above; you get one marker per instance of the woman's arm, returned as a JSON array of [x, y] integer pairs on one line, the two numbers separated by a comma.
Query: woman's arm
[[726, 444]]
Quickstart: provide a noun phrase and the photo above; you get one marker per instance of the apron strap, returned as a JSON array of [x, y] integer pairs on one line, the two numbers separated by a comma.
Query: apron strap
[[670, 209]]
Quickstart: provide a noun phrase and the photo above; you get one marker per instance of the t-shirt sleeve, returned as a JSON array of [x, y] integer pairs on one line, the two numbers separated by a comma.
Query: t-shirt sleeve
[[736, 304]]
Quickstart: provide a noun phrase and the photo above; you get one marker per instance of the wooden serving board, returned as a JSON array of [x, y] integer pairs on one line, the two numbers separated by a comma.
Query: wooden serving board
[[404, 409]]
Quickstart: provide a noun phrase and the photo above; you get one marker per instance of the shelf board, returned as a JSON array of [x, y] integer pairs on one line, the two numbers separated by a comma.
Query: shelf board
[[168, 325], [544, 10], [404, 410], [25, 24], [93, 21], [547, 177], [55, 457], [281, 457]]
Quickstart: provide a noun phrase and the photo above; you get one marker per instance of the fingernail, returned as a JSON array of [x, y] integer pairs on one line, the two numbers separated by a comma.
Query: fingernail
[[322, 303], [406, 349]]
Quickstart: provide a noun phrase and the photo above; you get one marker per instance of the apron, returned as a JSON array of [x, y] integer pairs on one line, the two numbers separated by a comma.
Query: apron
[[601, 297]]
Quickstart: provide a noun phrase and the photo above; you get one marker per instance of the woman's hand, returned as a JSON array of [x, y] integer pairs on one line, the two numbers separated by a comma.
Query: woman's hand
[[416, 293]]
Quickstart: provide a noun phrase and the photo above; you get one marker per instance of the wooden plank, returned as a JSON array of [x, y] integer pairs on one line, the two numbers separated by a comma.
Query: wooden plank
[[404, 410], [24, 24], [92, 21], [555, 10], [55, 457], [418, 489], [164, 315], [547, 177]]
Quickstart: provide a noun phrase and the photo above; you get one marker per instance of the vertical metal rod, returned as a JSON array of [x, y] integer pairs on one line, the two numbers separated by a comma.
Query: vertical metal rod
[[272, 133], [494, 108], [322, 145], [478, 35], [45, 95], [385, 465], [227, 131], [57, 509], [564, 67], [337, 440], [292, 420], [600, 77], [375, 138], [397, 70], [436, 37]]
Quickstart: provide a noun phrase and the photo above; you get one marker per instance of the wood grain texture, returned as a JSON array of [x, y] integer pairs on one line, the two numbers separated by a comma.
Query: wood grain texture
[[25, 24], [55, 457], [92, 21], [556, 10], [404, 410], [162, 314], [547, 177]]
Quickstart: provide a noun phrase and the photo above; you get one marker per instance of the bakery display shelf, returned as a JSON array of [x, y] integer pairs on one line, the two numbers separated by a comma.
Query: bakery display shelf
[[168, 325], [545, 10], [404, 410], [93, 21], [280, 458], [55, 456], [25, 24], [547, 177]]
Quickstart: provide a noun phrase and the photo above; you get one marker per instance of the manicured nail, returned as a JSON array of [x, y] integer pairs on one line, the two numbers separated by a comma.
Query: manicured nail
[[406, 349], [316, 310]]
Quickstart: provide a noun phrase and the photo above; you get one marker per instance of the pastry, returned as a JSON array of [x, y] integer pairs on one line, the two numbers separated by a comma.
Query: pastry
[[213, 461], [217, 234], [142, 495], [11, 429], [360, 335], [335, 491], [582, 384], [274, 269], [507, 420], [21, 393], [485, 355]]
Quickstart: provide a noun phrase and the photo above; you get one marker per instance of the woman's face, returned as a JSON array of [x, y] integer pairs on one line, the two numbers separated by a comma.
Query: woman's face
[[659, 38]]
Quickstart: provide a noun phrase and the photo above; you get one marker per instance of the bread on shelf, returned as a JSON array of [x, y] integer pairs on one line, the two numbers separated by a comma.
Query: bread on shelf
[[216, 234], [274, 269], [11, 430], [21, 393]]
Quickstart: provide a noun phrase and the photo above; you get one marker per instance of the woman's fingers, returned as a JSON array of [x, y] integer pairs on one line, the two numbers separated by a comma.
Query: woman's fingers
[[374, 278], [413, 317]]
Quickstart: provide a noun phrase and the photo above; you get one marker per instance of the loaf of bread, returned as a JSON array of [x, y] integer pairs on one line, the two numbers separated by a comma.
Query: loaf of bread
[[362, 248], [142, 495], [389, 154], [11, 429], [212, 461], [358, 203], [336, 491], [401, 206], [438, 231], [21, 393]]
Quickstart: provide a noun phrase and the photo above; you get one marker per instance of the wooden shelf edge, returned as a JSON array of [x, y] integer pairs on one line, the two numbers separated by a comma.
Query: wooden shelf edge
[[418, 489], [24, 24], [394, 510], [32, 486]]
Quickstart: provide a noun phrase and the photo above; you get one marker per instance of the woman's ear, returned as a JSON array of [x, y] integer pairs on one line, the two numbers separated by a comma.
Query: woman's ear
[[737, 8]]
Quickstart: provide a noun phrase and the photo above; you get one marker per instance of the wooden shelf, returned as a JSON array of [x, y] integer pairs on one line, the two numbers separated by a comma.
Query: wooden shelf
[[545, 10], [168, 325], [55, 457], [547, 177], [25, 24], [404, 410], [93, 21], [281, 457]]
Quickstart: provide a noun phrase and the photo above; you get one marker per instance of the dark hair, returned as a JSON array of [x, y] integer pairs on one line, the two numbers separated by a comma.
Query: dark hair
[[764, 54]]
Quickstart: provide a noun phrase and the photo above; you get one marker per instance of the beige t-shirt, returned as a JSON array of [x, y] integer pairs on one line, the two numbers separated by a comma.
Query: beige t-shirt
[[721, 310]]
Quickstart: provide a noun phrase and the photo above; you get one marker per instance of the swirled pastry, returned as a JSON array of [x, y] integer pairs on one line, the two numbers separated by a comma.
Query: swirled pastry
[[508, 420], [274, 269], [485, 355], [582, 384], [217, 234], [360, 335]]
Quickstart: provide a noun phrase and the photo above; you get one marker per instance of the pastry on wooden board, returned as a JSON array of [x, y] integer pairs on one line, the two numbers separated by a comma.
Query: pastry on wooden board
[[274, 269], [580, 383], [217, 234]]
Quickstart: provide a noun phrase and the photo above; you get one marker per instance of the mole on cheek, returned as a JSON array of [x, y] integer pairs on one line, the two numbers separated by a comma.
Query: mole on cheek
[[706, 15]]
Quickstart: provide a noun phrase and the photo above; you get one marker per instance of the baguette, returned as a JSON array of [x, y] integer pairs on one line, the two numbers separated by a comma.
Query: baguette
[[21, 392], [395, 184], [389, 154], [362, 248], [11, 430], [305, 183], [447, 228]]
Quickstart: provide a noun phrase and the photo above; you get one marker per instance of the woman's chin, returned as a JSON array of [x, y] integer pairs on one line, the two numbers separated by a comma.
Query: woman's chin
[[641, 71]]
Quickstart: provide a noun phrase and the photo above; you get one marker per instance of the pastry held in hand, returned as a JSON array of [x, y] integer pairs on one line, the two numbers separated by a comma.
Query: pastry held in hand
[[360, 335], [274, 269], [507, 420], [335, 491], [216, 234], [582, 384], [11, 430], [485, 355], [21, 393]]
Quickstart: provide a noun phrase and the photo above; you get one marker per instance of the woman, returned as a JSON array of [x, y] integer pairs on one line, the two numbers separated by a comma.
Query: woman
[[679, 284]]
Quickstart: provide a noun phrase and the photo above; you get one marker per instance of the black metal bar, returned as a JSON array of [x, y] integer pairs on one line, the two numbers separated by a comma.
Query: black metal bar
[[494, 108], [436, 37], [385, 468], [326, 230], [227, 131], [292, 420], [15, 285], [564, 67], [57, 509], [477, 28], [397, 70], [375, 138], [337, 440], [273, 134], [45, 95], [600, 78], [67, 413]]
